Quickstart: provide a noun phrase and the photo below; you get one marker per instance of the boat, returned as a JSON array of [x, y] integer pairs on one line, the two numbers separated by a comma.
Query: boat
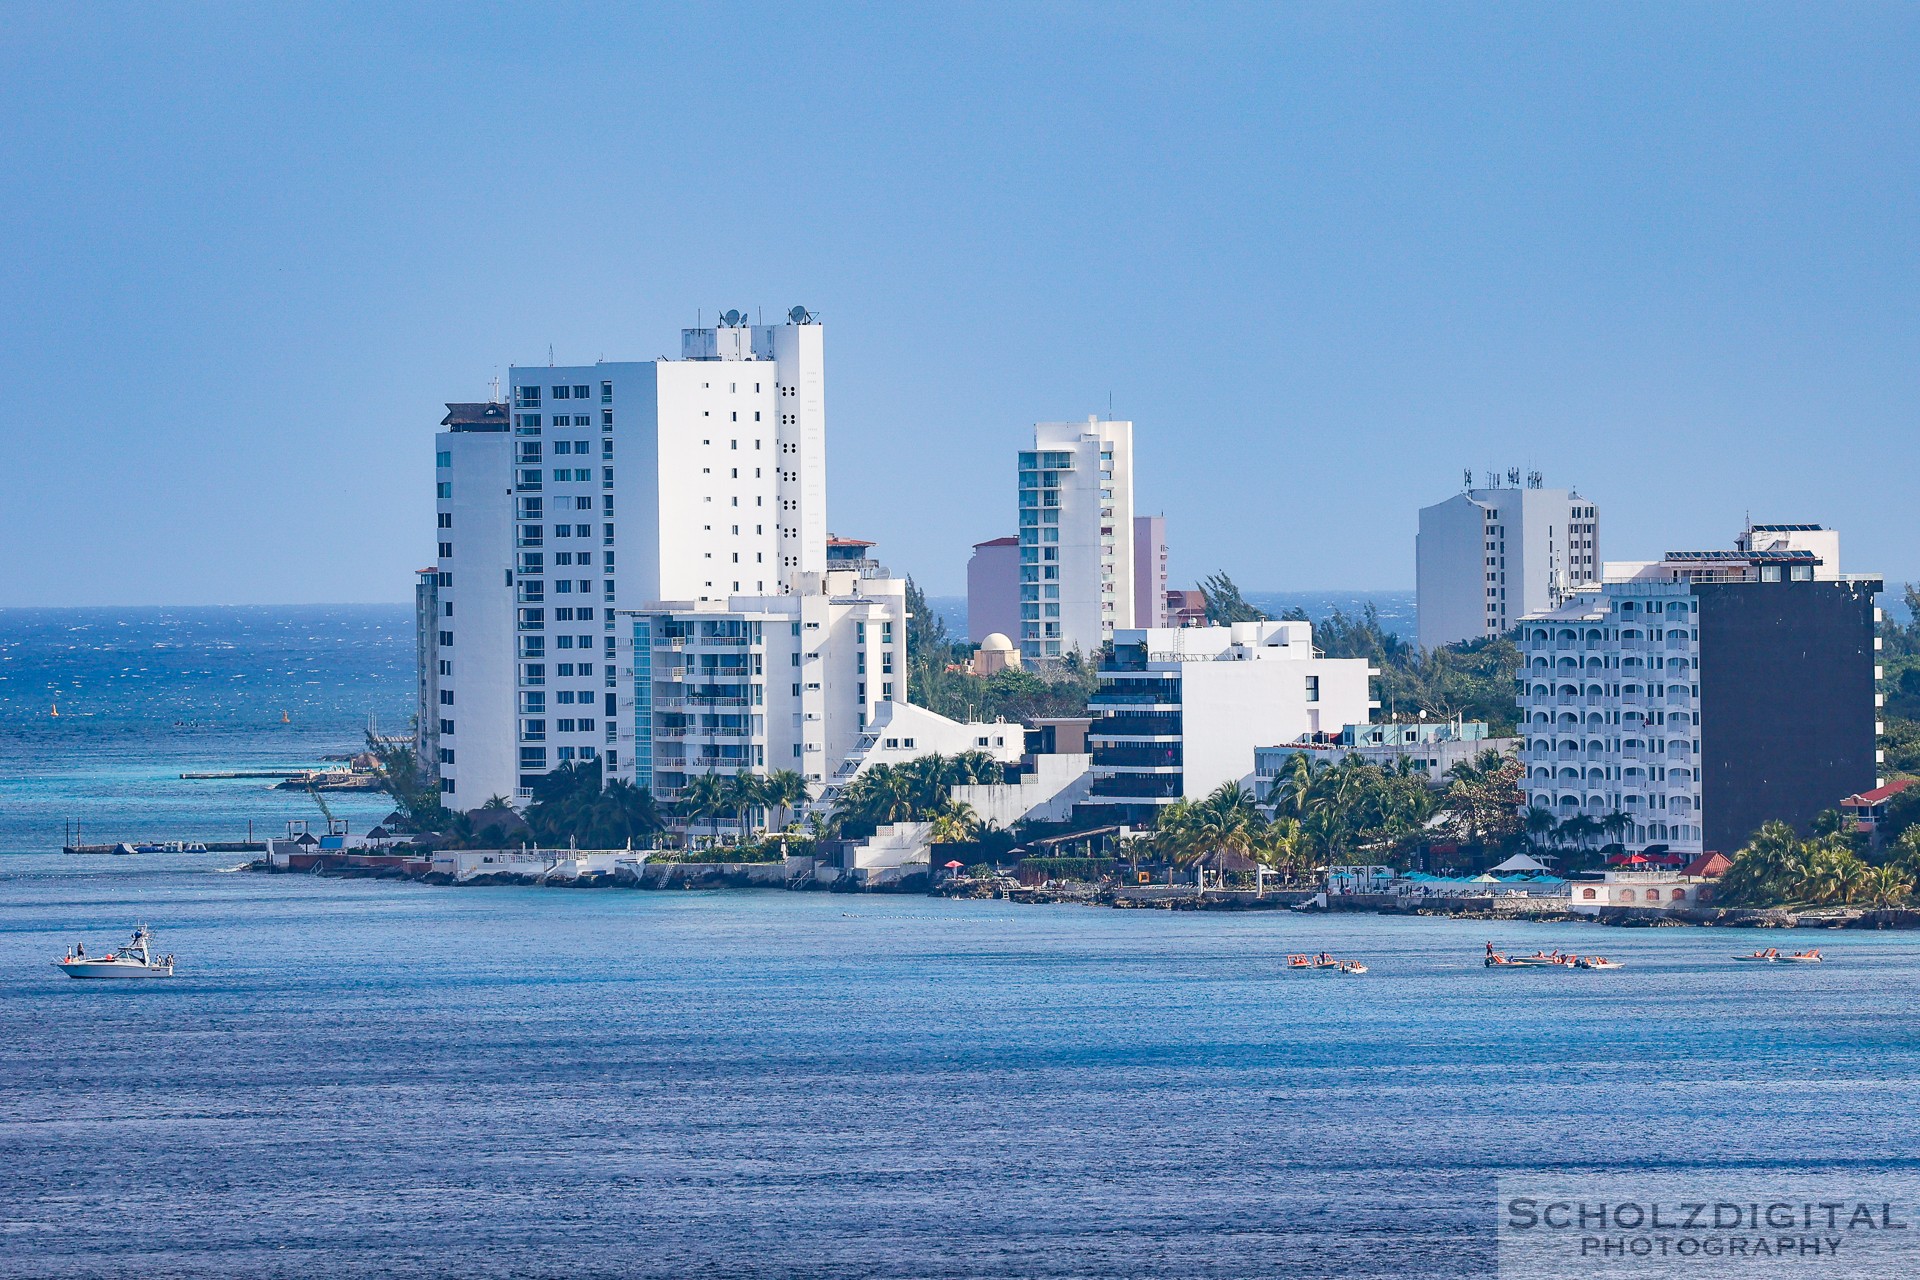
[[1768, 956], [1598, 962], [1350, 966], [1804, 957], [134, 960]]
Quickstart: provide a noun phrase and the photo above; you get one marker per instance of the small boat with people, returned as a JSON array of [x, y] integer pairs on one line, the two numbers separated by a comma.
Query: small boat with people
[[1804, 957], [134, 960], [1324, 962], [1547, 960], [1769, 956]]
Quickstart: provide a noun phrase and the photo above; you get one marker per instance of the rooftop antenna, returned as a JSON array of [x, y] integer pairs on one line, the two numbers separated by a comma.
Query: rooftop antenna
[[496, 387], [1466, 478], [549, 355]]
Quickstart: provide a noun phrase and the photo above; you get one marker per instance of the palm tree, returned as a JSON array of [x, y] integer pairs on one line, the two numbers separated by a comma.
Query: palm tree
[[784, 791], [497, 802], [954, 823], [1887, 887], [1541, 824], [744, 794], [703, 798]]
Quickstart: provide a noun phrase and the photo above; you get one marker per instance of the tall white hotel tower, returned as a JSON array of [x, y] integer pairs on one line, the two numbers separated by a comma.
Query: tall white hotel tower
[[602, 487], [1076, 537]]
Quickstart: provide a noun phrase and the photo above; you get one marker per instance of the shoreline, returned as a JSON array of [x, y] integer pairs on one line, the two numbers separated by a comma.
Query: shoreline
[[669, 876]]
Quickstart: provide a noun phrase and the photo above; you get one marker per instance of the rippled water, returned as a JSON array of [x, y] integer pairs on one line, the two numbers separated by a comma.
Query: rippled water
[[358, 1078], [148, 694]]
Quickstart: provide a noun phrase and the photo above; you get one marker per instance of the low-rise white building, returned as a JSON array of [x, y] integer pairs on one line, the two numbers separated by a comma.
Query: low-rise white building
[[1640, 889], [1182, 710], [751, 684]]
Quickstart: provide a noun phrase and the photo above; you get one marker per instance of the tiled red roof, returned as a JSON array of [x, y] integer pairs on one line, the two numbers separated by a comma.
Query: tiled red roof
[[1867, 799]]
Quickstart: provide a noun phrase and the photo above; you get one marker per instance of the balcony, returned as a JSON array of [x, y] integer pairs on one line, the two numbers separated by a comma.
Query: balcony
[[1138, 786], [1135, 726]]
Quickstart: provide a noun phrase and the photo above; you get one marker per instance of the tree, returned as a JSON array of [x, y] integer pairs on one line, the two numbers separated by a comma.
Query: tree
[[398, 772], [1887, 887], [1224, 603], [703, 799], [954, 823], [1484, 798], [786, 792], [743, 795]]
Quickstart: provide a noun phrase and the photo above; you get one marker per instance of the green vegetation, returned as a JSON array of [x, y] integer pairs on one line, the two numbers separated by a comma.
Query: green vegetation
[[571, 807], [1778, 868], [1899, 658], [917, 791], [937, 678], [397, 766], [1322, 814]]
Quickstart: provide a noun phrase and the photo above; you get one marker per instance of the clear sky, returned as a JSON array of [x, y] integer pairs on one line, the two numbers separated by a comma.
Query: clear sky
[[1324, 256]]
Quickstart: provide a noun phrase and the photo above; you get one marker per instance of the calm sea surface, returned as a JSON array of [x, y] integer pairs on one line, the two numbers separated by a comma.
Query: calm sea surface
[[357, 1078]]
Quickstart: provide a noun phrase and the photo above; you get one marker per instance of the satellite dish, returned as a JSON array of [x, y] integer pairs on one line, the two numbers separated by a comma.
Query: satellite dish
[[798, 315], [730, 319]]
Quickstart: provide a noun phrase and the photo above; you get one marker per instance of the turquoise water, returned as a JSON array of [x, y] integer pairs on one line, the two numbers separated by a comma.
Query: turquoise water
[[148, 694], [359, 1078]]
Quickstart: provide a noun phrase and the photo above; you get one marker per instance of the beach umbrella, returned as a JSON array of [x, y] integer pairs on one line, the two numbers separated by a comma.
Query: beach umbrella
[[955, 865]]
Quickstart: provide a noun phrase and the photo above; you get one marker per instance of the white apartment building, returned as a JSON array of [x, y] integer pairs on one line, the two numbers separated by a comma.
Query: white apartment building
[[1182, 710], [1701, 695], [753, 684], [1076, 537], [1485, 558], [606, 486]]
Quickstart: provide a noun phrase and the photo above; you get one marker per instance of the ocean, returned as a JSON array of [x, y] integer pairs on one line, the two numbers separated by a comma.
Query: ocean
[[369, 1078]]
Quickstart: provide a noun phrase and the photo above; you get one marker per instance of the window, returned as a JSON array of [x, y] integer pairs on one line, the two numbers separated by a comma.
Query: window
[[561, 393], [446, 727], [445, 519], [1313, 688], [446, 697], [527, 397], [580, 393]]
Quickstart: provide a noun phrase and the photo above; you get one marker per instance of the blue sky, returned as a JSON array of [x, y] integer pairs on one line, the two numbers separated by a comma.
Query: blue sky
[[1325, 257]]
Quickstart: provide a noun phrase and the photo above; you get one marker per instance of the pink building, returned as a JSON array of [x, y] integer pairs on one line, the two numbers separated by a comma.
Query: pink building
[[993, 589], [1149, 571]]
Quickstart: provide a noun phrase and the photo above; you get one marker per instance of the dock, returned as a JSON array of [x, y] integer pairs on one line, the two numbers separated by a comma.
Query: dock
[[211, 846], [248, 773]]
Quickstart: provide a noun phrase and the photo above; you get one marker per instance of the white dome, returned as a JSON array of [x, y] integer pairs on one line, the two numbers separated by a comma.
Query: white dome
[[996, 643]]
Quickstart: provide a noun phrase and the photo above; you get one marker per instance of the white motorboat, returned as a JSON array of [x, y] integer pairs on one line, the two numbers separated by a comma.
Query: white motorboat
[[134, 960]]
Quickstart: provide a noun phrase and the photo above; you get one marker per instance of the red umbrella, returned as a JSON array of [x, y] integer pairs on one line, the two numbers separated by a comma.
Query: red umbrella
[[955, 865], [1635, 858]]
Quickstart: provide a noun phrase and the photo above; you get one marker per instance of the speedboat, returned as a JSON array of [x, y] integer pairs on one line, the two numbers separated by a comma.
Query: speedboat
[[1598, 962], [1760, 957], [134, 960], [1804, 957], [1350, 966]]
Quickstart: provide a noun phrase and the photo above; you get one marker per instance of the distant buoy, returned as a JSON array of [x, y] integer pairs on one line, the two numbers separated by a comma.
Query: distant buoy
[[56, 711], [285, 718]]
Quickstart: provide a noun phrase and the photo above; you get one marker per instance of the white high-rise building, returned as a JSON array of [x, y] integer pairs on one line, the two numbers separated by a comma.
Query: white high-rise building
[[1076, 537], [614, 485], [1487, 557]]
